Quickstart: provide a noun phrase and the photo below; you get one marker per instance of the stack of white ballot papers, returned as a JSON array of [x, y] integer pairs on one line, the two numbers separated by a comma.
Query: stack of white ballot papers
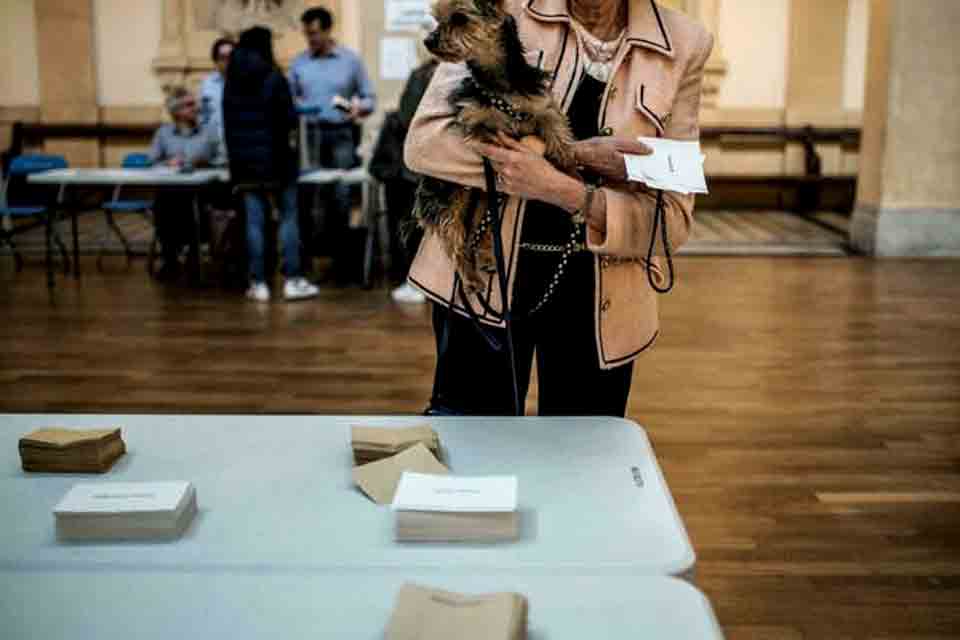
[[126, 511], [674, 165], [444, 508]]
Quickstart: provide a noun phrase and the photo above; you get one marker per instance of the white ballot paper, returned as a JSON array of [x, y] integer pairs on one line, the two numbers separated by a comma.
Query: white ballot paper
[[118, 497], [425, 492], [126, 511], [674, 165]]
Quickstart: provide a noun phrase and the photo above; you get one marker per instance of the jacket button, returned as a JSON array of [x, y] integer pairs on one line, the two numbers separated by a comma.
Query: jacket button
[[606, 131], [605, 306]]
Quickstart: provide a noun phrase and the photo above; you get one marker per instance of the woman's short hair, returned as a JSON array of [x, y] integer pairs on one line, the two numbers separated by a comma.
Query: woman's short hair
[[215, 49], [318, 14]]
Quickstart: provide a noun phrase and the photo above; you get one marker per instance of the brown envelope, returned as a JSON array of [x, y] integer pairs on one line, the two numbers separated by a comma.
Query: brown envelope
[[379, 480], [59, 438], [429, 614]]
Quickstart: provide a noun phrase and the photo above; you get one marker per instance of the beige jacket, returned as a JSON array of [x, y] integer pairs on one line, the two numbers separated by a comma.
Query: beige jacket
[[655, 90]]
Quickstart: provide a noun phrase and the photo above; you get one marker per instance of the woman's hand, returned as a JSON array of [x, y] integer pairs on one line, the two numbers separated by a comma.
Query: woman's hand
[[524, 173], [604, 156]]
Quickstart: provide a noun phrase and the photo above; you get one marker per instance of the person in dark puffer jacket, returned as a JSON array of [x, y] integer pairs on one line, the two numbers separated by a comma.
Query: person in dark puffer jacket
[[258, 117]]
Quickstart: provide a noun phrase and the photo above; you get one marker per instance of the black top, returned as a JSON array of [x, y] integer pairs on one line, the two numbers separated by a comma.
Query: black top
[[258, 119], [544, 223]]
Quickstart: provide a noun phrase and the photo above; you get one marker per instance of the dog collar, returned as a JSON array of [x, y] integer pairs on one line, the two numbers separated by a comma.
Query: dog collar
[[501, 105]]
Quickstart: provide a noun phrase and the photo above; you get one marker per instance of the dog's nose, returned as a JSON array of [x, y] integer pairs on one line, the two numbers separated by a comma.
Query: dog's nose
[[431, 41]]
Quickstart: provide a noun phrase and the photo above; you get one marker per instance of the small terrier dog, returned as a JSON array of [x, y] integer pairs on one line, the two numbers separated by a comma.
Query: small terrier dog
[[503, 94]]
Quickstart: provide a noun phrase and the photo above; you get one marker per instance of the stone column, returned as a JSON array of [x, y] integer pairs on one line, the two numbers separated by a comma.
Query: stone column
[[908, 199], [68, 78]]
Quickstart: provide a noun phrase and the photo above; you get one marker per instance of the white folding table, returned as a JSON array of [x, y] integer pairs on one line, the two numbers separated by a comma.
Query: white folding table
[[157, 177], [188, 604], [329, 176], [162, 177], [277, 492]]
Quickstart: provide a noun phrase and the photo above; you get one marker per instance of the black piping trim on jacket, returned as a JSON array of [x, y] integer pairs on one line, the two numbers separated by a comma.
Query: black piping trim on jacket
[[445, 302], [633, 355], [563, 52], [545, 15], [666, 46], [648, 110]]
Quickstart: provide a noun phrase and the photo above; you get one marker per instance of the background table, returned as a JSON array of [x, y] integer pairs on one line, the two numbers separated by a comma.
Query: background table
[[162, 177], [329, 176], [158, 177], [155, 177], [277, 492], [238, 605]]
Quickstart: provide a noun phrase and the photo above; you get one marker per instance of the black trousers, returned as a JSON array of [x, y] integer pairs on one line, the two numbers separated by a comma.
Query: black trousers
[[405, 236], [472, 378], [173, 215]]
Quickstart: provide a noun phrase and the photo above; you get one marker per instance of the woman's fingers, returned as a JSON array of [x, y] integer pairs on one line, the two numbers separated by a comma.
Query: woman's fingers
[[633, 147], [490, 151], [508, 142]]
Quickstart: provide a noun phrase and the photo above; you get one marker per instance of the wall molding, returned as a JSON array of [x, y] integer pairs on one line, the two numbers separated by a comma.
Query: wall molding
[[19, 113], [183, 53]]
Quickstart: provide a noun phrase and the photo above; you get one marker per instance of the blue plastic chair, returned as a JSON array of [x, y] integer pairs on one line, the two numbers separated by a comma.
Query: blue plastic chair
[[20, 168], [117, 205]]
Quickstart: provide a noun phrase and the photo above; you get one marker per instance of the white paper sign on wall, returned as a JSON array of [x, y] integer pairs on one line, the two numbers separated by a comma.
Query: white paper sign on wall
[[408, 15], [398, 57]]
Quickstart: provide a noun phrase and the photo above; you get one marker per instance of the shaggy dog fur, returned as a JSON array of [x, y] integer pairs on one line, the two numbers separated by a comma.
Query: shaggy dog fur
[[503, 94]]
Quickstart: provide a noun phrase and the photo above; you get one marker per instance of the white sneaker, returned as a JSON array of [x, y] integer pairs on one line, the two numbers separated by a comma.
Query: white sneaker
[[408, 294], [299, 289], [259, 292]]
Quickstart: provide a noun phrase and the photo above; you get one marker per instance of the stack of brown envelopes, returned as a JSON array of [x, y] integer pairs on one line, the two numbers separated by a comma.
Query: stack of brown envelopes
[[71, 451], [375, 443], [428, 614]]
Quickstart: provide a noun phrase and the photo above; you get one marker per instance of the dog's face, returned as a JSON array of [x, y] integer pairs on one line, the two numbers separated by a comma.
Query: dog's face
[[466, 29]]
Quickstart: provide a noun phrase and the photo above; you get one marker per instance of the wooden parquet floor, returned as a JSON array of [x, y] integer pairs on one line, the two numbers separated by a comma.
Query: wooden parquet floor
[[715, 232], [806, 412]]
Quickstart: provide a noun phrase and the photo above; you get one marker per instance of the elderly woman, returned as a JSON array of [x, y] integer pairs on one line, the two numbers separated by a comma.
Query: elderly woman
[[620, 69]]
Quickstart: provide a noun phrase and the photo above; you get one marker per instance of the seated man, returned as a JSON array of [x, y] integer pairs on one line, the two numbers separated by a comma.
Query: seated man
[[183, 144]]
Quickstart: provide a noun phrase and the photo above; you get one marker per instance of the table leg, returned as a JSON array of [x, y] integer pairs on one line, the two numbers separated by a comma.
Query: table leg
[[51, 219], [76, 243], [49, 260], [193, 259]]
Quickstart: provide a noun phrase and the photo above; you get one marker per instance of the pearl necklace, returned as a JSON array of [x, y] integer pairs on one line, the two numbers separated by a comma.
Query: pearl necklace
[[600, 53]]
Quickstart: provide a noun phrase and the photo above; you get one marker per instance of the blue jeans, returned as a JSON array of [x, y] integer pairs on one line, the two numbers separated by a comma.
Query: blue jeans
[[257, 207]]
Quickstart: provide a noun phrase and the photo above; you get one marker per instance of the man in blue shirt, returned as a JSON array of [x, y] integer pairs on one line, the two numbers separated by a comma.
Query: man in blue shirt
[[180, 144], [331, 87], [211, 91]]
